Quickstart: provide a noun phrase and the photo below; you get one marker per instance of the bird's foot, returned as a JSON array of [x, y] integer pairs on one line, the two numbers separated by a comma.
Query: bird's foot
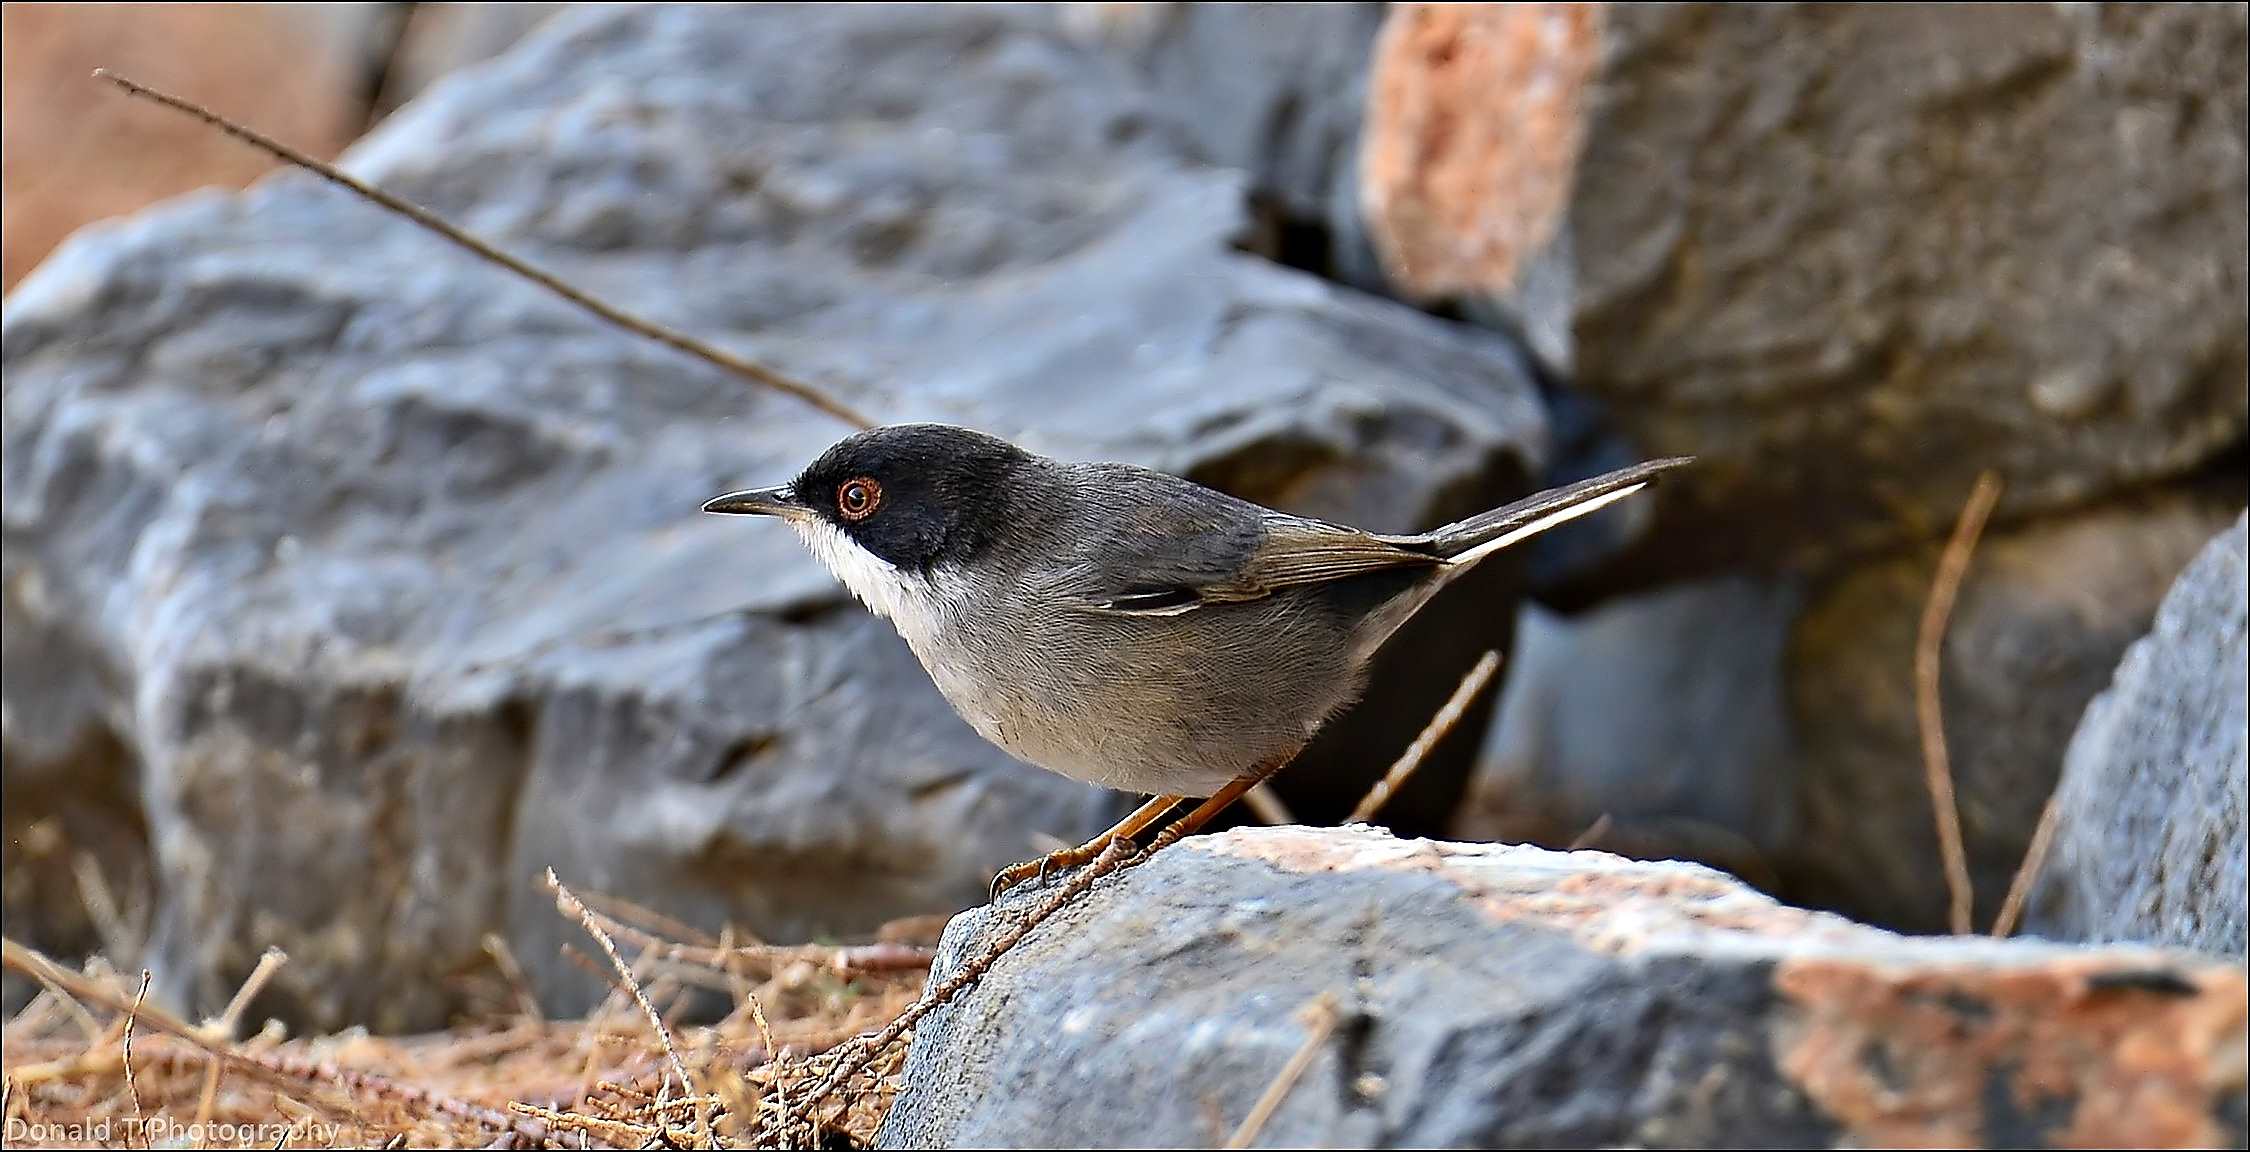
[[1055, 863]]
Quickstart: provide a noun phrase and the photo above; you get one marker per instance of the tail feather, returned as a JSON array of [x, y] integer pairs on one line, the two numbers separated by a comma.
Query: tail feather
[[1470, 540]]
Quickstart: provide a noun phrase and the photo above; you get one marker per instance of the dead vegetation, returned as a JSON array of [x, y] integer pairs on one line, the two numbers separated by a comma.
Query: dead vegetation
[[809, 1054], [90, 1062]]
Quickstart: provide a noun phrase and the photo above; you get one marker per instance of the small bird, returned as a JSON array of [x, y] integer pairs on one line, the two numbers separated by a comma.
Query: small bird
[[1118, 625]]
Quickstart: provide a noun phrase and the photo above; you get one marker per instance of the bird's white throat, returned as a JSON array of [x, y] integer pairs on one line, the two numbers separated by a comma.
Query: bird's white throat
[[896, 596]]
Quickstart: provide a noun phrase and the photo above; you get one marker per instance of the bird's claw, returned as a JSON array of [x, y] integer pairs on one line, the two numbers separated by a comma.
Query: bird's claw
[[1052, 864]]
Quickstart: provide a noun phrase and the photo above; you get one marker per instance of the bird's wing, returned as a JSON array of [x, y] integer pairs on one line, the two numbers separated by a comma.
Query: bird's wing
[[1300, 551], [1180, 549]]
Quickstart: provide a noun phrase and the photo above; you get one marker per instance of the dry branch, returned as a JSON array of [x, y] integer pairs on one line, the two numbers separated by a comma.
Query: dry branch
[[854, 1058], [281, 1070], [1929, 643], [2034, 856], [1440, 724], [125, 1045], [738, 366], [570, 905], [1266, 805], [1320, 1018]]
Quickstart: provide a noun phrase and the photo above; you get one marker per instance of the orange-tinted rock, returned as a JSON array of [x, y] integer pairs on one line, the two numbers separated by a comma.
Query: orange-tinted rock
[[1475, 116], [1849, 256], [1496, 996], [75, 150], [2078, 1051]]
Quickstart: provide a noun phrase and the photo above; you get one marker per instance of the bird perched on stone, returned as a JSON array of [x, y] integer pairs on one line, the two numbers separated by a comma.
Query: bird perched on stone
[[1122, 626]]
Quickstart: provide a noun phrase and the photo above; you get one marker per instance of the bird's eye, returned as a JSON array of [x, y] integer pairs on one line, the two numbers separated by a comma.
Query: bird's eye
[[858, 497]]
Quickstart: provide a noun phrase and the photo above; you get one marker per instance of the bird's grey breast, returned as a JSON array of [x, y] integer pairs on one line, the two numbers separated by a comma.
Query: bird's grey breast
[[1149, 701]]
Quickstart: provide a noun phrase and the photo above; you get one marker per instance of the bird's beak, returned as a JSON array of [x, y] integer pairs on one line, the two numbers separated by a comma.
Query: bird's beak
[[772, 501]]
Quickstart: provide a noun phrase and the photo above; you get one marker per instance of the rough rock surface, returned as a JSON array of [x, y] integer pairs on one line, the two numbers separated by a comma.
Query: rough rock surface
[[1272, 89], [1768, 726], [2043, 615], [2150, 840], [1477, 114], [1851, 255], [384, 570], [1656, 725], [441, 39], [1512, 997]]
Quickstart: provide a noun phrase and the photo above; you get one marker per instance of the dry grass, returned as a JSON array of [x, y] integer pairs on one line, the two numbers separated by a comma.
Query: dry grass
[[87, 1063]]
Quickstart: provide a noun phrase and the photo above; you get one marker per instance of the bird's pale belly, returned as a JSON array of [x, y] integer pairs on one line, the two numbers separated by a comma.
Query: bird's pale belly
[[1163, 718]]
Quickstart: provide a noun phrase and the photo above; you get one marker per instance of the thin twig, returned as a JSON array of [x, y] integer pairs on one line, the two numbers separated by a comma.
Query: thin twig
[[272, 1068], [229, 1022], [627, 1133], [1593, 833], [59, 994], [207, 1101], [132, 1086], [842, 959], [570, 906], [765, 1037], [744, 368], [1320, 1018], [2034, 856], [118, 940], [1434, 731], [1118, 854], [1268, 807], [619, 910], [527, 1005], [1953, 565], [77, 986]]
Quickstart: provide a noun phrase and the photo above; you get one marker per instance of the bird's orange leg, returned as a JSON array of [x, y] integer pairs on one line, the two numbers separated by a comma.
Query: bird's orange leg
[[1131, 826], [1219, 802]]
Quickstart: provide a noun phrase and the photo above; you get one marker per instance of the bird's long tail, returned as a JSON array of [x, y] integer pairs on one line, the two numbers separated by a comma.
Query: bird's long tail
[[1468, 541]]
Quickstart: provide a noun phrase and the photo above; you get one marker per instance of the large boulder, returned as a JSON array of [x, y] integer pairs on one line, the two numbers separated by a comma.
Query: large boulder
[[2042, 617], [1490, 996], [1849, 255], [2149, 840], [1768, 726], [1272, 89], [1655, 726], [381, 569]]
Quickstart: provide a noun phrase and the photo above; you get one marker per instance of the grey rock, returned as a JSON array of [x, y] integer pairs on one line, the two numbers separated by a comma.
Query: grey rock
[[1656, 724], [1272, 89], [74, 850], [1919, 243], [438, 40], [1852, 255], [1494, 996], [1767, 726], [2043, 615], [2149, 839], [383, 568]]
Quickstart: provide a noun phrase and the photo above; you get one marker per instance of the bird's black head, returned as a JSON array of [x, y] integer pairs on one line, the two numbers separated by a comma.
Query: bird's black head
[[912, 494]]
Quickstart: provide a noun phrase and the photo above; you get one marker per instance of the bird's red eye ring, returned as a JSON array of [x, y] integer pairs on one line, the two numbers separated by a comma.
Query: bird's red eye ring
[[858, 498]]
